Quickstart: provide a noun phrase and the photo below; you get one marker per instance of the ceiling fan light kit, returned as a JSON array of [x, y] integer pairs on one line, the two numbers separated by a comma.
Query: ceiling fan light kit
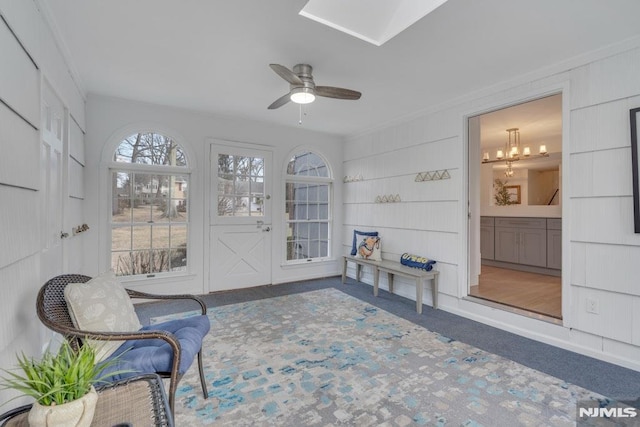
[[302, 95], [302, 88]]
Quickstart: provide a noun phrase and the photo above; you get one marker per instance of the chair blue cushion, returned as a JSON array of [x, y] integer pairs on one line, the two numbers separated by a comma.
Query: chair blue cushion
[[156, 355]]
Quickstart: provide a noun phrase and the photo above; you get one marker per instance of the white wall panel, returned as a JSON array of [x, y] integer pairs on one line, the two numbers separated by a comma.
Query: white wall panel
[[591, 173], [602, 126], [76, 142], [20, 151], [603, 220], [20, 82], [24, 19], [623, 350], [27, 22], [635, 333], [19, 224], [76, 179], [615, 312], [578, 269], [18, 302], [587, 340], [609, 79], [613, 267]]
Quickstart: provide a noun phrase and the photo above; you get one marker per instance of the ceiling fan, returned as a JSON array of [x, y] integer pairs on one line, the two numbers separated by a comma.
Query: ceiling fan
[[302, 88]]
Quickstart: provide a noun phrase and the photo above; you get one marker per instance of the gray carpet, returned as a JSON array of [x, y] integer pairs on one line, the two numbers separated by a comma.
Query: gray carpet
[[601, 377]]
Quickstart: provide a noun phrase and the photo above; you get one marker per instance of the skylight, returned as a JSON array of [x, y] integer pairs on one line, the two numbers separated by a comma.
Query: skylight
[[374, 21]]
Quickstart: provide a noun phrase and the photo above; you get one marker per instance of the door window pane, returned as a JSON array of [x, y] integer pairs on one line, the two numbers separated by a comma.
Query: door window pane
[[240, 186]]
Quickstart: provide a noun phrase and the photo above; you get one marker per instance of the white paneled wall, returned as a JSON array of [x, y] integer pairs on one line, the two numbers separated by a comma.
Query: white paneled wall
[[19, 82], [29, 54], [425, 221], [20, 140], [606, 250], [601, 249]]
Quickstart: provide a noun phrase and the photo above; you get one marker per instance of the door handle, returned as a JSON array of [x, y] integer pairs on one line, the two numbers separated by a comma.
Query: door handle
[[266, 230]]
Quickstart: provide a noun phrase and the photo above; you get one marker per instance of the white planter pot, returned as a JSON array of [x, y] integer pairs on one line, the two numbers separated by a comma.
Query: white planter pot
[[78, 413]]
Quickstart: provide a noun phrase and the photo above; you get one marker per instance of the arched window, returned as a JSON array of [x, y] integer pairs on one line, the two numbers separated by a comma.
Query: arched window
[[308, 207], [149, 206]]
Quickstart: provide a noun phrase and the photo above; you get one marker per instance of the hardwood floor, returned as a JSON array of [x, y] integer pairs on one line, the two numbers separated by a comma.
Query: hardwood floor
[[533, 292]]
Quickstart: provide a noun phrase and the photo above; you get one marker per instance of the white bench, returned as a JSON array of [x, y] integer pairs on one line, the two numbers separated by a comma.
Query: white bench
[[393, 268]]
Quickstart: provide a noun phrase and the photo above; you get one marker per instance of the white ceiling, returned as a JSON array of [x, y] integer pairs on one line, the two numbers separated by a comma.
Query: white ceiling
[[213, 55]]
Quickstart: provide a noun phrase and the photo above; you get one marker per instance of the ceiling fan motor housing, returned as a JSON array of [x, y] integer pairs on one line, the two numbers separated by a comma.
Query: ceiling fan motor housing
[[304, 72]]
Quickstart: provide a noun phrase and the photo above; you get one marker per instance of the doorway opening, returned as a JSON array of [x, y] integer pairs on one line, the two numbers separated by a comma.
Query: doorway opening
[[515, 188]]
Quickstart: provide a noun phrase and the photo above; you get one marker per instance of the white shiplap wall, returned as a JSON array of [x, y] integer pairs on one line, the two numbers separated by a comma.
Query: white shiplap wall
[[601, 251], [29, 55], [425, 222]]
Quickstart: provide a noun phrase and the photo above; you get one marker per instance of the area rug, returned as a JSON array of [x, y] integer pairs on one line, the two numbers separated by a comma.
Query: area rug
[[324, 358]]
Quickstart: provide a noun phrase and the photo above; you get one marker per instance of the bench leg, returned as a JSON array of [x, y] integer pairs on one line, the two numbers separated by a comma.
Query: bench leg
[[434, 291], [344, 270], [419, 286], [376, 279], [358, 271], [390, 279]]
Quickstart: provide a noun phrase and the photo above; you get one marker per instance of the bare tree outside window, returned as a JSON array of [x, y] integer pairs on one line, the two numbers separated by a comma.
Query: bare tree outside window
[[149, 221], [240, 185]]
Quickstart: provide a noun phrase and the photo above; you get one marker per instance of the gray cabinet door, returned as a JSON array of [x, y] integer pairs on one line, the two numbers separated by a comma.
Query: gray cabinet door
[[533, 247], [506, 244], [487, 242], [554, 249]]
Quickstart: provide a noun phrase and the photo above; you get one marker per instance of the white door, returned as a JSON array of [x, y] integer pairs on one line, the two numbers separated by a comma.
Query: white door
[[51, 175], [240, 217]]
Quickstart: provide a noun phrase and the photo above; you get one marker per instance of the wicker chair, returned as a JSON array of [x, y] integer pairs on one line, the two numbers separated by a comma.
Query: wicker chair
[[52, 311]]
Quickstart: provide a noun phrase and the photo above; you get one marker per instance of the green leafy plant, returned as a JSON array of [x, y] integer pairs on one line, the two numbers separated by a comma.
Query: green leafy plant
[[502, 196], [57, 378]]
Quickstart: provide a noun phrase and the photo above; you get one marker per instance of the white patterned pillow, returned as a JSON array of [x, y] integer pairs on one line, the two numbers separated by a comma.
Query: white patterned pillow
[[101, 305]]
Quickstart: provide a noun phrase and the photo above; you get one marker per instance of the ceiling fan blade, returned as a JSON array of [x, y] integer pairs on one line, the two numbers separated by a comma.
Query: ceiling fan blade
[[337, 92], [279, 102], [286, 74]]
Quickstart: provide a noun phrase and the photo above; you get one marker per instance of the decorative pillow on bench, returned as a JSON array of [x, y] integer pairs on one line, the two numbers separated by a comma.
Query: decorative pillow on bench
[[358, 236], [370, 248]]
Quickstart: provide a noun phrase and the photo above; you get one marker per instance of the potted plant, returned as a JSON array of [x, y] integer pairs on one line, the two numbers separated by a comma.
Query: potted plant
[[502, 196], [62, 385]]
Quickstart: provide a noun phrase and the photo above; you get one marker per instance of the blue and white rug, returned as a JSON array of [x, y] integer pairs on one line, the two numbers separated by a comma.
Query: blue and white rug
[[323, 358]]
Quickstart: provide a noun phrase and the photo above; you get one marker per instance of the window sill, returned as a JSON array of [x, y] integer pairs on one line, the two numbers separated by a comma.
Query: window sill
[[142, 280], [306, 263]]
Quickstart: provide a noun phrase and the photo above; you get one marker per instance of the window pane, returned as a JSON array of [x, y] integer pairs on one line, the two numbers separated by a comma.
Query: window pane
[[240, 185], [145, 206], [307, 208], [307, 164], [121, 239], [150, 149], [141, 237]]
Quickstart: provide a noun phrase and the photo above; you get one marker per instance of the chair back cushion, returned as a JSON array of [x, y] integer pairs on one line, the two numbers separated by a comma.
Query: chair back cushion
[[101, 305]]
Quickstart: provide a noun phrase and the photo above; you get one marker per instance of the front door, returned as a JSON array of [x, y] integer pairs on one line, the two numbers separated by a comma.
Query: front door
[[240, 217]]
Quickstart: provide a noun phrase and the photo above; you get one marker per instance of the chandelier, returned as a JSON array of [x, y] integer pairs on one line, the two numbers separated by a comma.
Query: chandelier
[[513, 152]]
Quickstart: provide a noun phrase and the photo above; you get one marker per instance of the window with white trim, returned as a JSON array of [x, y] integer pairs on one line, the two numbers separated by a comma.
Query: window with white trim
[[307, 207], [149, 206]]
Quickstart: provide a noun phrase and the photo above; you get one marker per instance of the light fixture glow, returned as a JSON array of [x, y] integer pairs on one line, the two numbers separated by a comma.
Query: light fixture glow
[[302, 95], [512, 151]]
